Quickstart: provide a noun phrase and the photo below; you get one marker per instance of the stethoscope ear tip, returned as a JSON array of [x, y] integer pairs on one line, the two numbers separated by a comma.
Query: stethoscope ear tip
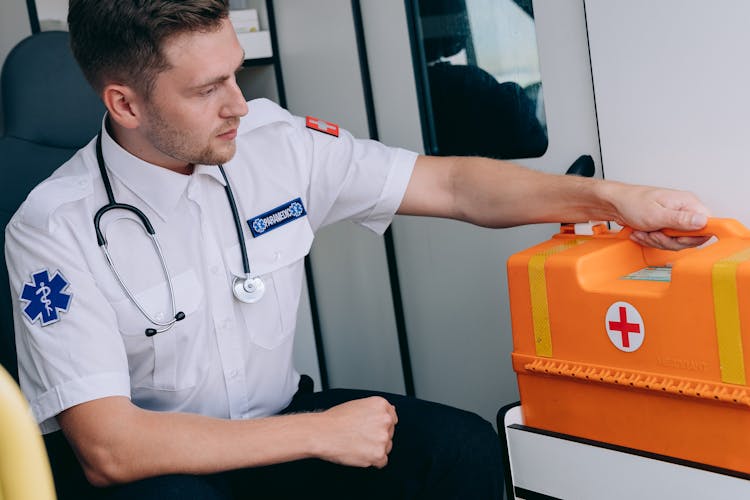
[[150, 332]]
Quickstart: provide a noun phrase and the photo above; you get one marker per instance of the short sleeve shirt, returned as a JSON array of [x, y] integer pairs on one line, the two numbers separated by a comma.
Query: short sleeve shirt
[[79, 335]]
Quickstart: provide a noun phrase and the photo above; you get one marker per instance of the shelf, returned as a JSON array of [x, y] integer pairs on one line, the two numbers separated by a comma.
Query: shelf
[[258, 61], [257, 44]]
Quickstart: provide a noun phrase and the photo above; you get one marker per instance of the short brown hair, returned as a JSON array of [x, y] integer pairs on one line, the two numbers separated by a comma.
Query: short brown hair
[[122, 40]]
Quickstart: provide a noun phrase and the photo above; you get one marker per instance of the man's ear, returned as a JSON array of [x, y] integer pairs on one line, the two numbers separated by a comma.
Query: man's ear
[[123, 105]]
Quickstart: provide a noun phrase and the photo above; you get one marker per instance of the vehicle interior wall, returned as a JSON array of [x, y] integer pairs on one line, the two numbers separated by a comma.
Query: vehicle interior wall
[[673, 110], [453, 275], [322, 78]]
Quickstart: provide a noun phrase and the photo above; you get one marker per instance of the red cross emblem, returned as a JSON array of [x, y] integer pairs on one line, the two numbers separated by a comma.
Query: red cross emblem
[[625, 326], [322, 126]]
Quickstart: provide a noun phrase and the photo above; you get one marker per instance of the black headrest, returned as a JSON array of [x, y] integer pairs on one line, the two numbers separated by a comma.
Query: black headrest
[[44, 92], [445, 27]]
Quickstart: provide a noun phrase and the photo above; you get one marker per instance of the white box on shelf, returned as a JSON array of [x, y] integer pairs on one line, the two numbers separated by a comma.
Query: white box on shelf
[[256, 44], [244, 21]]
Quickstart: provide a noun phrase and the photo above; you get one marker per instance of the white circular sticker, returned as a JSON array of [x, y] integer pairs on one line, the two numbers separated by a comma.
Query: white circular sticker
[[624, 326]]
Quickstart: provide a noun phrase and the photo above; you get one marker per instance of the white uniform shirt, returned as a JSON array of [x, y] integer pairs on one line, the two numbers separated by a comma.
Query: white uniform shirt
[[79, 337]]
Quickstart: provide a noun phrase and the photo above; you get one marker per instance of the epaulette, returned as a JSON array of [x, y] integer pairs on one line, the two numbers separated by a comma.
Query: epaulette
[[263, 112], [71, 182]]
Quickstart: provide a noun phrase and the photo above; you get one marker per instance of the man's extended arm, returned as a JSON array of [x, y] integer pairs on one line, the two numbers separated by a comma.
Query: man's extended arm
[[494, 193], [118, 442]]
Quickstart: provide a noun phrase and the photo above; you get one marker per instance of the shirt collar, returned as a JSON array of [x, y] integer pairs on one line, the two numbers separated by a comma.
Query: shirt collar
[[158, 187], [211, 171]]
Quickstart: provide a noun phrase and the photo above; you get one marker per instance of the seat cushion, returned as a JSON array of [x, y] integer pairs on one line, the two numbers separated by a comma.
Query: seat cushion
[[45, 97]]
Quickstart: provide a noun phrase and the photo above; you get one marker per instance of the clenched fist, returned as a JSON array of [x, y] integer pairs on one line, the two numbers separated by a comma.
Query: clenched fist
[[357, 433]]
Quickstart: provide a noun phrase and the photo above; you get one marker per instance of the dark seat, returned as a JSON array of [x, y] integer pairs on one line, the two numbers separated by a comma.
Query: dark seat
[[476, 115], [49, 112]]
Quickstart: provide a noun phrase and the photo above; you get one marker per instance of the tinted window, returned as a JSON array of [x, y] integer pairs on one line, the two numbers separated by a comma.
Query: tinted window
[[483, 78]]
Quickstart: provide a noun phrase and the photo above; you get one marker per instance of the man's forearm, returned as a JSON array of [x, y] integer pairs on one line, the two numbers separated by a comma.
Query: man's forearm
[[117, 442], [494, 193], [138, 443]]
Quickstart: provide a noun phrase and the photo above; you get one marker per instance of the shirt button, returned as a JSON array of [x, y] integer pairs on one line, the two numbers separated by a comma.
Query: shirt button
[[215, 269], [276, 256], [233, 373], [159, 316]]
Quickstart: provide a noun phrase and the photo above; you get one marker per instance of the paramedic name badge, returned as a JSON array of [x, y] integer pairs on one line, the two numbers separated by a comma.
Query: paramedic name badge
[[45, 298], [625, 326], [277, 217]]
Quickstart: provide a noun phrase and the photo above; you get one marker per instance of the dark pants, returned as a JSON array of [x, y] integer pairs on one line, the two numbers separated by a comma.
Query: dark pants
[[438, 452]]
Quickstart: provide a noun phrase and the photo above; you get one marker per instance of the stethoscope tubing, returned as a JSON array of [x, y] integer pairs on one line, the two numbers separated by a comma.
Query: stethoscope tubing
[[249, 291], [237, 222], [149, 229], [130, 294]]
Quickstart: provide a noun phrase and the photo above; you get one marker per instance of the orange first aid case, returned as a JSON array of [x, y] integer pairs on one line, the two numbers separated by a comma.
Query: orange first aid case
[[637, 347]]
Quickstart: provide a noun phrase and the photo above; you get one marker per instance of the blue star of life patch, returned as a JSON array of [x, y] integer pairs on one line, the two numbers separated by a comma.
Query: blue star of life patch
[[283, 214], [45, 297]]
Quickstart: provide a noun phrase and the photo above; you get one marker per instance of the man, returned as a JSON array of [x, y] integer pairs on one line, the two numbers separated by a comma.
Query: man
[[163, 382]]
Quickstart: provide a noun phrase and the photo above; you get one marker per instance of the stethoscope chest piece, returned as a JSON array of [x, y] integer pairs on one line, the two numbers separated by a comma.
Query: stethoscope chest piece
[[248, 290]]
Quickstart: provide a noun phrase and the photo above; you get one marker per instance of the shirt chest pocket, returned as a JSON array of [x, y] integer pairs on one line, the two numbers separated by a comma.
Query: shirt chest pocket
[[168, 360], [277, 257]]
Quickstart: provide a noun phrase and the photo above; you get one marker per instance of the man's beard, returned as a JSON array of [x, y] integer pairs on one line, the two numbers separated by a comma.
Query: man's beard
[[178, 145]]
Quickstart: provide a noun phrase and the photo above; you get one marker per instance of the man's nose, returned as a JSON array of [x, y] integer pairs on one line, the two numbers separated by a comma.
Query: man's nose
[[236, 105]]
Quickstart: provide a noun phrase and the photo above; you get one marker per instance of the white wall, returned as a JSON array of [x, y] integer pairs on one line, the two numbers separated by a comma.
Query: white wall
[[14, 25], [671, 80], [52, 14]]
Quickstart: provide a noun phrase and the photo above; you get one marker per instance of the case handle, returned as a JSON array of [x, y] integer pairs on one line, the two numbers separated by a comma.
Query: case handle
[[716, 226], [722, 228]]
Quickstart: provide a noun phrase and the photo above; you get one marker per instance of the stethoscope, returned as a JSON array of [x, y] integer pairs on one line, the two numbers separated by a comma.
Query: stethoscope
[[249, 289]]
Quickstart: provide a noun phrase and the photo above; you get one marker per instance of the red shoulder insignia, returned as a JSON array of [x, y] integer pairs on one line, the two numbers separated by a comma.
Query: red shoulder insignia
[[322, 126]]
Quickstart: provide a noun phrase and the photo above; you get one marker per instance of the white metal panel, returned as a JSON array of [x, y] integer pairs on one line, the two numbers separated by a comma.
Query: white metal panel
[[258, 81], [453, 275], [392, 73], [671, 79], [356, 308], [52, 14], [562, 468], [305, 353], [322, 78], [320, 62]]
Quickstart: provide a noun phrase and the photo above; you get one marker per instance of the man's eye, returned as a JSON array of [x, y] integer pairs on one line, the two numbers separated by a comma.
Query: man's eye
[[208, 91]]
